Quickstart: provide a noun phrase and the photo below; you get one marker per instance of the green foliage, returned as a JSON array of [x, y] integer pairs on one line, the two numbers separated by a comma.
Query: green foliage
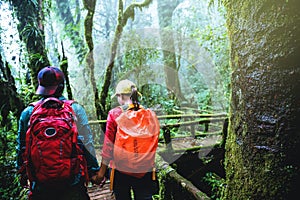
[[9, 185], [215, 41], [155, 96], [204, 22], [162, 176], [138, 63], [135, 62], [37, 59], [27, 93], [217, 184], [35, 3], [31, 34], [200, 93]]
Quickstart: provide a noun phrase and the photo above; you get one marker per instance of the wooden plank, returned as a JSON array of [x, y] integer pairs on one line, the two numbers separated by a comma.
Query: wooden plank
[[97, 193], [195, 122]]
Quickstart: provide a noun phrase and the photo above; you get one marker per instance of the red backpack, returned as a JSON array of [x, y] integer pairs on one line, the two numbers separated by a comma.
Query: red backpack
[[52, 152], [136, 141]]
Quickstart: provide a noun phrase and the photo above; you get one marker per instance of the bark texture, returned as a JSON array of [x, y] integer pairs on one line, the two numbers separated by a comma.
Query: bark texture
[[72, 27], [10, 101], [165, 10], [90, 62], [31, 29], [264, 128]]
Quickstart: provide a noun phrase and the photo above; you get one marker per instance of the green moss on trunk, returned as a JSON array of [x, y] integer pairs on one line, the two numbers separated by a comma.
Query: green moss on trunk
[[263, 137]]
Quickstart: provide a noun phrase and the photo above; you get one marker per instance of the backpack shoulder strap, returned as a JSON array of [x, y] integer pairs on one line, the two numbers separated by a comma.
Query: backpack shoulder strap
[[35, 103], [39, 102], [43, 100], [52, 98]]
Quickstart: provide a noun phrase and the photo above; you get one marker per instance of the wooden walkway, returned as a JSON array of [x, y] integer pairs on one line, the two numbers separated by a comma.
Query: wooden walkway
[[207, 139], [97, 193]]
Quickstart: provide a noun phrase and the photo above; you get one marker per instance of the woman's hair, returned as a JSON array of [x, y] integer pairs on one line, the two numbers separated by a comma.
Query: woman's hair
[[134, 97]]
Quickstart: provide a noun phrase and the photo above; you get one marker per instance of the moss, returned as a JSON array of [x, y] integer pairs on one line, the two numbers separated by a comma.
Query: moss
[[263, 135]]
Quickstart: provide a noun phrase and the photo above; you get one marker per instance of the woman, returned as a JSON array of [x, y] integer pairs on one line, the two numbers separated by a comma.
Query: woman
[[135, 177]]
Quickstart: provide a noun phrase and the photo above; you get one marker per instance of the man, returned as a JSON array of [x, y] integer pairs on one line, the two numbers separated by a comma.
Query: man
[[51, 84]]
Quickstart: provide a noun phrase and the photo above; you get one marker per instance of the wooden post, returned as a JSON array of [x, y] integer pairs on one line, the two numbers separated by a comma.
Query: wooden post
[[167, 137]]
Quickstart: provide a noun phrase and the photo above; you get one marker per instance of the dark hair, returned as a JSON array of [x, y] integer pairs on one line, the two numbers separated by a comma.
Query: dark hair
[[59, 90], [134, 97]]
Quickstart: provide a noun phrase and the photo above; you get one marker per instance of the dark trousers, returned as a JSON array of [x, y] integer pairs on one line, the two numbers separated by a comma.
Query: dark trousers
[[61, 192], [143, 188]]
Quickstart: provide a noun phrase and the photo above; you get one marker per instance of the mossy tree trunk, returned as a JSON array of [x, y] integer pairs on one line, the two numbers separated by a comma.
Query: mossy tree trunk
[[10, 101], [72, 26], [64, 65], [90, 5], [31, 29], [262, 147], [165, 12]]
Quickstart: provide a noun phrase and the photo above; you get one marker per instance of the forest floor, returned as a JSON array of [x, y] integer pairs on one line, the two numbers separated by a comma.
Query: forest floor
[[104, 193]]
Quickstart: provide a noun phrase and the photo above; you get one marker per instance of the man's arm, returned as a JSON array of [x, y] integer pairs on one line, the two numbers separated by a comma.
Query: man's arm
[[21, 139], [21, 144], [86, 137]]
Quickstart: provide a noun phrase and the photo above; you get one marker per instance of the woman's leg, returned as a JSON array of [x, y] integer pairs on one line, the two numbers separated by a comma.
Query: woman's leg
[[144, 188], [122, 186]]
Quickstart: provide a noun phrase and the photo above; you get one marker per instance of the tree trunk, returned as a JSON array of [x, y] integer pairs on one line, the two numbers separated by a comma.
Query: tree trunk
[[68, 20], [31, 29], [262, 147], [64, 67], [122, 21], [88, 25], [165, 13], [9, 98]]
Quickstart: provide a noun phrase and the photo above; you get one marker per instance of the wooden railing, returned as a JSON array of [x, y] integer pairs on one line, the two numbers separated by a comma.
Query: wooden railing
[[193, 121], [190, 121]]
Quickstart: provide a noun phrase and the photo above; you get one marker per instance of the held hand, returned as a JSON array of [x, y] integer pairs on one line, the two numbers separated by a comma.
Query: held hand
[[98, 180], [102, 182]]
